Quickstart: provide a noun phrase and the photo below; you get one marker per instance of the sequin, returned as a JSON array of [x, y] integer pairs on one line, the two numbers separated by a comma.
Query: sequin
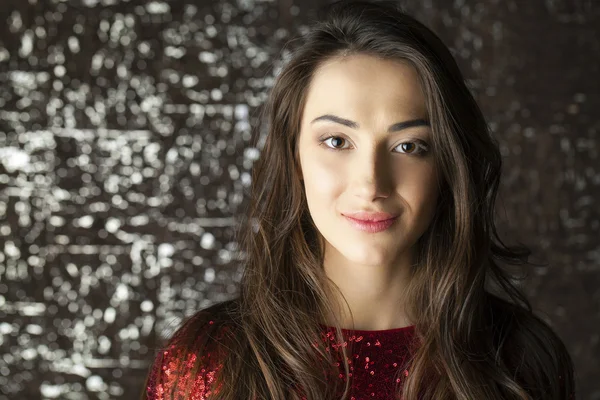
[[373, 364], [375, 361], [163, 376]]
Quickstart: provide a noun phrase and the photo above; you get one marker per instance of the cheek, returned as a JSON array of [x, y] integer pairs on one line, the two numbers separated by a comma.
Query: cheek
[[322, 178], [320, 172], [420, 190]]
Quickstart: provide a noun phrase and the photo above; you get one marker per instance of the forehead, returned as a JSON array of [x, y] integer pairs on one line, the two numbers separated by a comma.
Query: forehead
[[365, 85]]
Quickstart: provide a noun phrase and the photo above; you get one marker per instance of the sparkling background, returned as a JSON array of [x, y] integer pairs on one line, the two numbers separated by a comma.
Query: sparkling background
[[125, 153]]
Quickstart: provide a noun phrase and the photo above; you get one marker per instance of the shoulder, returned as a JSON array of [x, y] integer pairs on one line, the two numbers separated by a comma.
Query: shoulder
[[190, 359], [532, 350], [206, 323]]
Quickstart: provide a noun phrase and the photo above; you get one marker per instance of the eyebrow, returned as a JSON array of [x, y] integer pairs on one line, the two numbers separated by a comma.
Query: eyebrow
[[351, 124]]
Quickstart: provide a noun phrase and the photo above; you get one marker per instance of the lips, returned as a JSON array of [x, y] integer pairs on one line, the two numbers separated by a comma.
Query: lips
[[371, 226], [369, 216]]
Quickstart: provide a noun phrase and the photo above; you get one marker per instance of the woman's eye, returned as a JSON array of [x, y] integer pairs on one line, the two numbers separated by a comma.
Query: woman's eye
[[407, 147], [335, 139], [412, 145]]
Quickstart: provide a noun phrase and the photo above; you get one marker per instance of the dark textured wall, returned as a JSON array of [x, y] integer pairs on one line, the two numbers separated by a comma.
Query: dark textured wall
[[125, 152]]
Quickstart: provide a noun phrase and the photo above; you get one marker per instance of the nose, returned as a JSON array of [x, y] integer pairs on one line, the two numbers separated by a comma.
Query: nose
[[372, 176]]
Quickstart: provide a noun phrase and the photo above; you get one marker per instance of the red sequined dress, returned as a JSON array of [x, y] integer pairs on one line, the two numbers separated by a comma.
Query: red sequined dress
[[377, 357]]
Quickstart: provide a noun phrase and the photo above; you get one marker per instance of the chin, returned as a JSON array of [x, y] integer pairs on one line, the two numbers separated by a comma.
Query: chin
[[368, 255]]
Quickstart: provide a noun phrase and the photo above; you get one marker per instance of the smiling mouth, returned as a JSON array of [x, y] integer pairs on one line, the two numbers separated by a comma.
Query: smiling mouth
[[371, 226], [369, 216]]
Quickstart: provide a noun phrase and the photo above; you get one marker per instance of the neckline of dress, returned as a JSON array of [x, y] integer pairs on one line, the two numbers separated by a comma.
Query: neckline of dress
[[404, 329]]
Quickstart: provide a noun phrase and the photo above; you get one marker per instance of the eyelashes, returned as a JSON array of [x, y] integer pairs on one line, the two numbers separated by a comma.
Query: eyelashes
[[422, 148]]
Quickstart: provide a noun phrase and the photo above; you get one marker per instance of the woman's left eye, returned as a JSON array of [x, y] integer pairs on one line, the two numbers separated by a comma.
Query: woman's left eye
[[422, 146]]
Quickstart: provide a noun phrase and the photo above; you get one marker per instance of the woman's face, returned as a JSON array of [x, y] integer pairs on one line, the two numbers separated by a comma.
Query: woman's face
[[366, 166]]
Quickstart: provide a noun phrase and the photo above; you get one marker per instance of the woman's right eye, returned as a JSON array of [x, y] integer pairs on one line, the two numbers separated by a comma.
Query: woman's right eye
[[337, 140]]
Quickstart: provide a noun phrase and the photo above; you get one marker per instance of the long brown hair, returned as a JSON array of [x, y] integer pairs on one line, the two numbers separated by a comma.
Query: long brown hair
[[478, 336]]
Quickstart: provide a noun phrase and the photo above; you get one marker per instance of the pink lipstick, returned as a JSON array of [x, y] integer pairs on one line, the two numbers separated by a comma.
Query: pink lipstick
[[371, 226]]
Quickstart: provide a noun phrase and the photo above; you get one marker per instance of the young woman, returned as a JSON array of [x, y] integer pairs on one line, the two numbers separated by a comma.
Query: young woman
[[372, 261]]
